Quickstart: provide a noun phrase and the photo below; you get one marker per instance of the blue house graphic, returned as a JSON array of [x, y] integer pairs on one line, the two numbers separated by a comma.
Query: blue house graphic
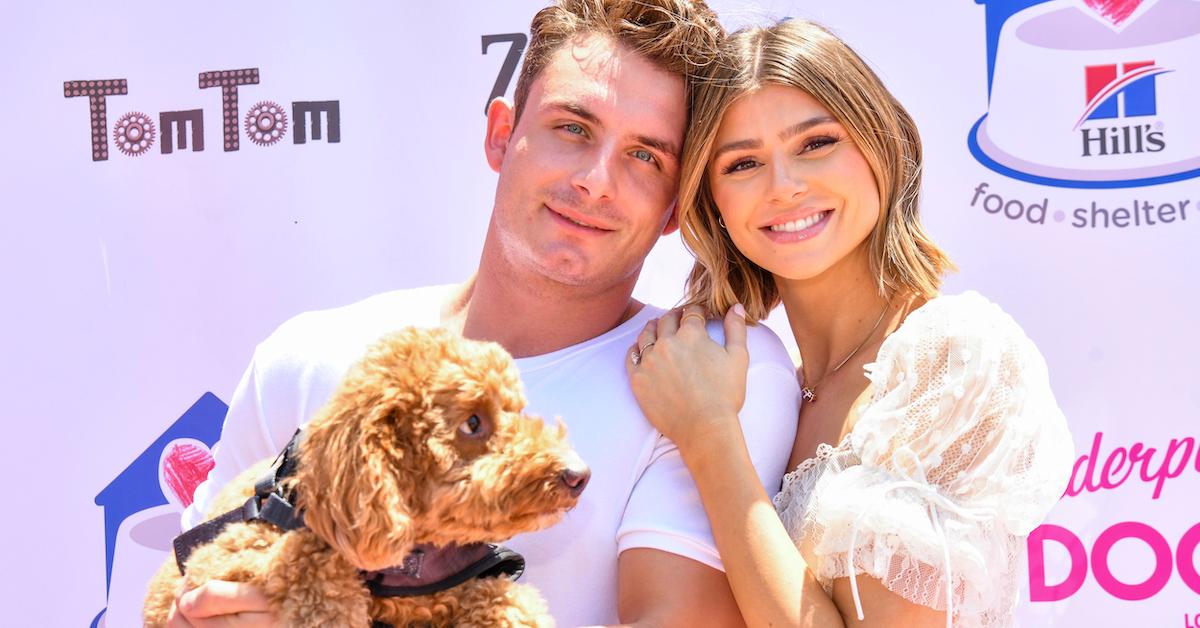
[[137, 487]]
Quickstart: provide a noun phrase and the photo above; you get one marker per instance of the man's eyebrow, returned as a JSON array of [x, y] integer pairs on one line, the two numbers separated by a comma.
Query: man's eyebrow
[[800, 127], [662, 146], [577, 110]]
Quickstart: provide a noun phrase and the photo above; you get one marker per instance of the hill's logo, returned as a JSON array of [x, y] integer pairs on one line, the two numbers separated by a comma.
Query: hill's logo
[[1117, 91]]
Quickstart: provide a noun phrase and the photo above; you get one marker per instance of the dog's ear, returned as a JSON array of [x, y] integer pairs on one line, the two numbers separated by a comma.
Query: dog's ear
[[349, 487]]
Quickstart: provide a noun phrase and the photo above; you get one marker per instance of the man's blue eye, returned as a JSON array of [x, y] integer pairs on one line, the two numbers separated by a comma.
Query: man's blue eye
[[574, 128]]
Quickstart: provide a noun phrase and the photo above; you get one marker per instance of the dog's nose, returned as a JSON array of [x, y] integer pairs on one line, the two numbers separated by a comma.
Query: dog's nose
[[575, 478]]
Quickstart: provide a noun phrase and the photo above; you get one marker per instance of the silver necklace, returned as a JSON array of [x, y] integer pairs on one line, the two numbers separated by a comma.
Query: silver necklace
[[810, 392]]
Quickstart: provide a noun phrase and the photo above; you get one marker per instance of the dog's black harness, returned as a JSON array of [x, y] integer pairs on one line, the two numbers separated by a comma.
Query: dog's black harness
[[428, 569], [270, 503]]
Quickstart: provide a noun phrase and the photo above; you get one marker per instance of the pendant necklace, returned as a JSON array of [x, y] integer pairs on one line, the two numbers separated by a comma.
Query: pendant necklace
[[809, 393]]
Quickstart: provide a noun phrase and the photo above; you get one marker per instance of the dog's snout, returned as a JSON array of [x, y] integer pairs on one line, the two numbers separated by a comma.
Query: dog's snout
[[575, 478]]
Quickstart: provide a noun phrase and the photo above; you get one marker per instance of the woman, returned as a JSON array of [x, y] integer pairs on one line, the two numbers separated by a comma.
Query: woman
[[929, 443]]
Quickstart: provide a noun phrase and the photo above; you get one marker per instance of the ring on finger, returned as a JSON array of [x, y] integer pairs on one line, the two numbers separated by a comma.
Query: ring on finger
[[635, 357], [693, 314], [644, 348]]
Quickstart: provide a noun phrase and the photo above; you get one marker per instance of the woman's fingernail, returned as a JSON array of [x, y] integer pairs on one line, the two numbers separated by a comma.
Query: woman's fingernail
[[739, 310]]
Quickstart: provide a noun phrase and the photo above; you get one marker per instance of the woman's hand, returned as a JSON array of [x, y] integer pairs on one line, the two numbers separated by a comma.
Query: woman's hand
[[687, 385]]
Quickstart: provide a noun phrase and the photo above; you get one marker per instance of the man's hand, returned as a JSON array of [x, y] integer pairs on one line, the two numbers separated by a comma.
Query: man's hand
[[219, 604]]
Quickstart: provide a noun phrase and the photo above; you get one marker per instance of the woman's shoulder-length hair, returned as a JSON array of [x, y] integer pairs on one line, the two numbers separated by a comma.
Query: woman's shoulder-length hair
[[805, 55]]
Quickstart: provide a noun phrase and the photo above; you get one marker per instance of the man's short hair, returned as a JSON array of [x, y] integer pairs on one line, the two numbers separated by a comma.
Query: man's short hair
[[679, 36]]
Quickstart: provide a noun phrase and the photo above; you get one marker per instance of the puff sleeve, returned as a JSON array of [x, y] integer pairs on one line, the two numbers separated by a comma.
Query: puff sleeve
[[959, 454]]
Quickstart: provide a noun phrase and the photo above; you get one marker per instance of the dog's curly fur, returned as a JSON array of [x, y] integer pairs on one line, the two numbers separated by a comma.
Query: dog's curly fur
[[387, 464]]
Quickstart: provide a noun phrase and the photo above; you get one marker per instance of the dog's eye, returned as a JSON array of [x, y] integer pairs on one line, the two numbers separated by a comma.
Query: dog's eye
[[471, 426]]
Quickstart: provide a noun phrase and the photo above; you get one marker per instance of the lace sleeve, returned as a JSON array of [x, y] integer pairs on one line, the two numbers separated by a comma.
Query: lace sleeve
[[960, 453]]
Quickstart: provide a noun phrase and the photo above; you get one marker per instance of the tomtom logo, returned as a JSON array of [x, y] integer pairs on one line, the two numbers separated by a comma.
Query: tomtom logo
[[1120, 91], [265, 123]]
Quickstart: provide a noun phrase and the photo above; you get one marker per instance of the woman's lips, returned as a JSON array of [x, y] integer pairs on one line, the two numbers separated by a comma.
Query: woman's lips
[[799, 228]]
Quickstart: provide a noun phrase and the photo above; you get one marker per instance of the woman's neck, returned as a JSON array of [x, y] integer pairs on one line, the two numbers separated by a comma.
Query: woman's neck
[[835, 312]]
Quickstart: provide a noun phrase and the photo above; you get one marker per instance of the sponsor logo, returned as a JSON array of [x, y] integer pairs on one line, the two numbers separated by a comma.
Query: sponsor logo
[[1094, 95], [264, 124], [1142, 467], [1091, 94], [1117, 91]]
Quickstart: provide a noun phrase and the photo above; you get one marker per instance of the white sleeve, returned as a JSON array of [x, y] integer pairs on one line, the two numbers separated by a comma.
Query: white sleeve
[[961, 453], [664, 511], [244, 441]]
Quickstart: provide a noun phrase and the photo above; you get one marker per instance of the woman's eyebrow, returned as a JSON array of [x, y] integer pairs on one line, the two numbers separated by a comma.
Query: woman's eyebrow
[[789, 132], [737, 145], [800, 127]]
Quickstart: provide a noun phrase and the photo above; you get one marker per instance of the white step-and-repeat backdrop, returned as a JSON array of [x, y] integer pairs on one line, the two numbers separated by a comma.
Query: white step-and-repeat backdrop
[[176, 180]]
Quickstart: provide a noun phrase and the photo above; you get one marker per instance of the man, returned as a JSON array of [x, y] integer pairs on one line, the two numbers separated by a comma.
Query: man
[[588, 163]]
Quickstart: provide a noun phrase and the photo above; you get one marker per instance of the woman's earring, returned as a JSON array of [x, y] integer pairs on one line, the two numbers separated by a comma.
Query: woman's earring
[[721, 221]]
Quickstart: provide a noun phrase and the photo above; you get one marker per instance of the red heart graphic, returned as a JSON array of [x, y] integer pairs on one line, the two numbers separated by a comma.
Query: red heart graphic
[[1115, 12], [185, 463]]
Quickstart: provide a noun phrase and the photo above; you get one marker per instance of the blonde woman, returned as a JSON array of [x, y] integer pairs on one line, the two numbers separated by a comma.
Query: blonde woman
[[929, 443]]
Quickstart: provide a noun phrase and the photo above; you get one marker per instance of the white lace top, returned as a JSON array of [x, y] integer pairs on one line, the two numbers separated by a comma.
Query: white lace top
[[959, 454]]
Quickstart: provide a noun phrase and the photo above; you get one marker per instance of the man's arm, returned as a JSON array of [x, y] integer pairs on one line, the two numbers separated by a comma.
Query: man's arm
[[245, 439], [661, 590], [249, 434], [669, 571]]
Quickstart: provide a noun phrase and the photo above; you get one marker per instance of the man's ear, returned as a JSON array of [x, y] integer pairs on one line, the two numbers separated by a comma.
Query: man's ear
[[673, 219], [499, 131]]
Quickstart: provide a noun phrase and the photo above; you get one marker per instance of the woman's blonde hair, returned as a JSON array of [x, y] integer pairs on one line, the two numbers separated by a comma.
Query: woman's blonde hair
[[803, 54]]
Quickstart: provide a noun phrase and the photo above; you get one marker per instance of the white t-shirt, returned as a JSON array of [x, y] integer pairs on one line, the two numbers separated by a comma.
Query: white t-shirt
[[640, 494]]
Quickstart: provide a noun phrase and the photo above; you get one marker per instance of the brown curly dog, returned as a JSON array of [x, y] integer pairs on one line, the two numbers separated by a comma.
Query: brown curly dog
[[423, 444]]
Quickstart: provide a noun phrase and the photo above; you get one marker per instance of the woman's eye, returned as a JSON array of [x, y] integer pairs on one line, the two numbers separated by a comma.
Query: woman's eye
[[817, 143], [740, 165], [643, 155], [471, 426]]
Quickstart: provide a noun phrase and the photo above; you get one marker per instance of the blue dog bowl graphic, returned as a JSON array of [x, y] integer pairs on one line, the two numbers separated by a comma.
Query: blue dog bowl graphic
[[1079, 98]]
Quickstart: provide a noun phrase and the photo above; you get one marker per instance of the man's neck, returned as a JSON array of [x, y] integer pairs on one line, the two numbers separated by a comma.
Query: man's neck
[[530, 320]]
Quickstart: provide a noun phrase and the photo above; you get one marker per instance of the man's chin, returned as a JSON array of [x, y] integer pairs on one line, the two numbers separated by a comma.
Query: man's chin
[[575, 266], [567, 265], [573, 277]]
